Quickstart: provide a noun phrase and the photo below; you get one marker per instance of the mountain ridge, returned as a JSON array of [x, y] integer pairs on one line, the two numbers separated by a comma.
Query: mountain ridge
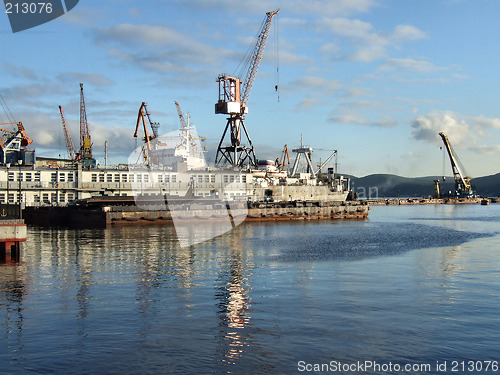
[[389, 185]]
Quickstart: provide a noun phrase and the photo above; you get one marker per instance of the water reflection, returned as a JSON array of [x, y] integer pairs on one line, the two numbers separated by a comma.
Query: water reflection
[[232, 294], [131, 300], [13, 290]]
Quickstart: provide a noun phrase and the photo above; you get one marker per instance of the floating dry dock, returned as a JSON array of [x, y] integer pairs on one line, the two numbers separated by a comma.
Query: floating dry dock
[[122, 211]]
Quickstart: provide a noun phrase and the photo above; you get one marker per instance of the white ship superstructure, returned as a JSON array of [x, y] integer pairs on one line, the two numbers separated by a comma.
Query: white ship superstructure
[[40, 185]]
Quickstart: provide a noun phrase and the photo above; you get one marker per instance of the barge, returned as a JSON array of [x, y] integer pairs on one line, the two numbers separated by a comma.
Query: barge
[[123, 211]]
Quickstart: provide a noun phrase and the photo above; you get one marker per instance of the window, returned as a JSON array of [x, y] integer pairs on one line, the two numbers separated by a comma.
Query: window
[[11, 197], [226, 178], [53, 177], [212, 178], [207, 178], [71, 197], [2, 197], [124, 177], [167, 178], [53, 197], [146, 178], [71, 177], [101, 177], [160, 178], [11, 176], [94, 177], [200, 178], [37, 176], [109, 178], [139, 178], [62, 177], [244, 178], [36, 198], [132, 177], [45, 198], [28, 177], [174, 178], [117, 177], [62, 197]]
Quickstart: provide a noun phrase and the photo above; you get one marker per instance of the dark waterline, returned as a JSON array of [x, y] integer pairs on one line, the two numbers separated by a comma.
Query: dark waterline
[[414, 284]]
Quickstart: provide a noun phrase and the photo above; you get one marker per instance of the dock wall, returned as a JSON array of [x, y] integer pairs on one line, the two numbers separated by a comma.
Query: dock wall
[[125, 216]]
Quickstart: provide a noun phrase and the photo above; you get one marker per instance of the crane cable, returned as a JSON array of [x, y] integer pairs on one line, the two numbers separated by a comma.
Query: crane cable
[[6, 109], [444, 161]]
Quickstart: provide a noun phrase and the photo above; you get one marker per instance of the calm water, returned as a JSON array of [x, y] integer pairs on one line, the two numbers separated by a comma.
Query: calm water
[[412, 285]]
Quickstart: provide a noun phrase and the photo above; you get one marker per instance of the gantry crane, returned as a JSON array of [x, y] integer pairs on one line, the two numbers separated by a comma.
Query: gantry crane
[[70, 146], [85, 141], [233, 98], [462, 180]]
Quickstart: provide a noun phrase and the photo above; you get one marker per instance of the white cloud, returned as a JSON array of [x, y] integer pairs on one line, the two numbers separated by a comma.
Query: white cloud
[[427, 128], [460, 129], [484, 122], [385, 122], [368, 43], [403, 33], [320, 85], [151, 47], [95, 79], [337, 7], [419, 66], [486, 150]]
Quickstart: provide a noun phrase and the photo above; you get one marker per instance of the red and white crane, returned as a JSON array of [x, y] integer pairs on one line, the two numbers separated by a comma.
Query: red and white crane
[[70, 146]]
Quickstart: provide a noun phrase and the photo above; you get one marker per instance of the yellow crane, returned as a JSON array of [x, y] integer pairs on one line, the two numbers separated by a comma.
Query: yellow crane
[[463, 186]]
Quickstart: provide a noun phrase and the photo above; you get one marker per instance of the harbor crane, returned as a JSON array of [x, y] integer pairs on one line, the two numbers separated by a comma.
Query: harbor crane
[[141, 118], [284, 161], [233, 98], [21, 132], [12, 143], [85, 141], [462, 180], [70, 146], [181, 116]]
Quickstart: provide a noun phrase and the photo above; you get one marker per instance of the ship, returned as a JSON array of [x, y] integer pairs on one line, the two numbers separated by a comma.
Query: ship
[[172, 173]]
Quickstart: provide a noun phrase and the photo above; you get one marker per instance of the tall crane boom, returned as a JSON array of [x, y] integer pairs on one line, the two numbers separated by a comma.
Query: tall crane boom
[[462, 181], [69, 141], [233, 97], [181, 116], [85, 141], [258, 50]]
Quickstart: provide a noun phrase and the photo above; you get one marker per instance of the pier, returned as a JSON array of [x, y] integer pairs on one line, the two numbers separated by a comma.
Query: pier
[[12, 233], [413, 201]]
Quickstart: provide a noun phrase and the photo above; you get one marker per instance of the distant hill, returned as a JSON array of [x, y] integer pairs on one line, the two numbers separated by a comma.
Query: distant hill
[[389, 185]]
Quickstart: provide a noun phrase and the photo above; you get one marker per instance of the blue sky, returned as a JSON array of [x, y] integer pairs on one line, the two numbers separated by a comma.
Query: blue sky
[[375, 79]]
